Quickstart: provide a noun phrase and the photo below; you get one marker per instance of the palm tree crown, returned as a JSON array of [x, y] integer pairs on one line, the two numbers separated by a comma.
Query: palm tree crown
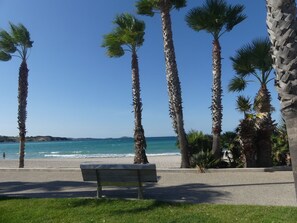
[[215, 17], [253, 60], [243, 104], [15, 43], [150, 7], [129, 33]]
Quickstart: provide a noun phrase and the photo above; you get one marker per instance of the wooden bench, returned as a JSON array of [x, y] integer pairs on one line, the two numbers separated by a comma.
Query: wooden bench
[[119, 175]]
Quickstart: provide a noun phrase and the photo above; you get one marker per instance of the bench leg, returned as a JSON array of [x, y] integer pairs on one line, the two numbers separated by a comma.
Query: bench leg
[[99, 186], [140, 191], [99, 190]]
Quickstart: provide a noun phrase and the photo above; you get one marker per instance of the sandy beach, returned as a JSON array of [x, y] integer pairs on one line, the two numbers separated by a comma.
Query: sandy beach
[[160, 161], [62, 178]]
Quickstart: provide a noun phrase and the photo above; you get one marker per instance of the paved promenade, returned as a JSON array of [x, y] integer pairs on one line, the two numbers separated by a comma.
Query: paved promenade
[[220, 187]]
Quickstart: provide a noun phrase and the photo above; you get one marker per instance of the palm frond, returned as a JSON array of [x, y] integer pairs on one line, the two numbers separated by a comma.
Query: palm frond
[[242, 61], [4, 56], [215, 17], [17, 40], [254, 59], [6, 42], [145, 7], [21, 35], [261, 55], [237, 84], [113, 44], [243, 104], [198, 20], [234, 16], [207, 17], [129, 31], [149, 7], [178, 4], [217, 14]]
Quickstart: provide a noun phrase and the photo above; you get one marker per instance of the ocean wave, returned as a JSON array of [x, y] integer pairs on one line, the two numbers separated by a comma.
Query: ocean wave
[[77, 152], [104, 155], [163, 154], [87, 155]]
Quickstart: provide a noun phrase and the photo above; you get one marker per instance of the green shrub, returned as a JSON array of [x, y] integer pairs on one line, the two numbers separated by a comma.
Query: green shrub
[[198, 142], [229, 141], [200, 147], [280, 146], [204, 160]]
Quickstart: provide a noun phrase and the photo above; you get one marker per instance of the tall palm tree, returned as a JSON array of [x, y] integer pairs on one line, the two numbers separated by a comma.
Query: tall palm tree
[[149, 7], [216, 17], [254, 61], [128, 36], [17, 43], [247, 132], [282, 24]]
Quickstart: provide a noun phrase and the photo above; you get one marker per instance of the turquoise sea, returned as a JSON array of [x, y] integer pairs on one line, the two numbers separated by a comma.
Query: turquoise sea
[[92, 148]]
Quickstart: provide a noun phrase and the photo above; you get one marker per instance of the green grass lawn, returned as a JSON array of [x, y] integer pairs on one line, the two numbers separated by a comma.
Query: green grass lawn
[[92, 210]]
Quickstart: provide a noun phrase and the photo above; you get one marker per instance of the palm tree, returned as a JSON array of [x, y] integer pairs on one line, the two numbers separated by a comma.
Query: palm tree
[[149, 7], [128, 36], [216, 17], [246, 132], [254, 61], [282, 24], [17, 43]]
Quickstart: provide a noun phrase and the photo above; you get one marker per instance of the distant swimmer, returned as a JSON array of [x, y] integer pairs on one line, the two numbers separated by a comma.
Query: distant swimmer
[[3, 155]]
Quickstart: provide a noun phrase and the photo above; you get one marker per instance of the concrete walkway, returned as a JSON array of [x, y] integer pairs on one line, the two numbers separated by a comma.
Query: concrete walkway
[[217, 187]]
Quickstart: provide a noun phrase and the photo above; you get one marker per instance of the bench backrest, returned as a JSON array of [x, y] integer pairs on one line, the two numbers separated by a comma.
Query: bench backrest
[[110, 173]]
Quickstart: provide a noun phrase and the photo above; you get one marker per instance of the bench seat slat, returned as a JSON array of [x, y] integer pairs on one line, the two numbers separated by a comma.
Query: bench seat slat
[[120, 175]]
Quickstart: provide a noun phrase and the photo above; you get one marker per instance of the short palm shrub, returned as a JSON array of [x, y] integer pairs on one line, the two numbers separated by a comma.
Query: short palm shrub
[[204, 160], [200, 146]]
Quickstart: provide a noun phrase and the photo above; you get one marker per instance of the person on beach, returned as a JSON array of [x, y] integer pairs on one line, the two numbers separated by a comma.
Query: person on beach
[[3, 155]]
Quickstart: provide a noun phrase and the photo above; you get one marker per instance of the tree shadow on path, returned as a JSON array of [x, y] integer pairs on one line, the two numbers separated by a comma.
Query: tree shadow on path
[[194, 193]]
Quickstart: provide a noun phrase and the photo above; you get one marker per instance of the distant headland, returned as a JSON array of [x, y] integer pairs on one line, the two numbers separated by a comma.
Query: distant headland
[[34, 139], [52, 138]]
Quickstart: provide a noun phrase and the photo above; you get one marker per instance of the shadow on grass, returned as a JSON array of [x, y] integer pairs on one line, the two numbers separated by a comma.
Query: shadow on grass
[[149, 207], [146, 205]]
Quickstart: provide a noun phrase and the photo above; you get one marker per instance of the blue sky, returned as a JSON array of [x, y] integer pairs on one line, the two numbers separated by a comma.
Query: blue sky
[[75, 90]]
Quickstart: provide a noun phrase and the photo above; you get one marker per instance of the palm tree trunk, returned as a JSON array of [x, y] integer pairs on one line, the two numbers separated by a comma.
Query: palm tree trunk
[[216, 106], [173, 84], [247, 141], [265, 127], [22, 110], [282, 24], [263, 140], [139, 138]]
